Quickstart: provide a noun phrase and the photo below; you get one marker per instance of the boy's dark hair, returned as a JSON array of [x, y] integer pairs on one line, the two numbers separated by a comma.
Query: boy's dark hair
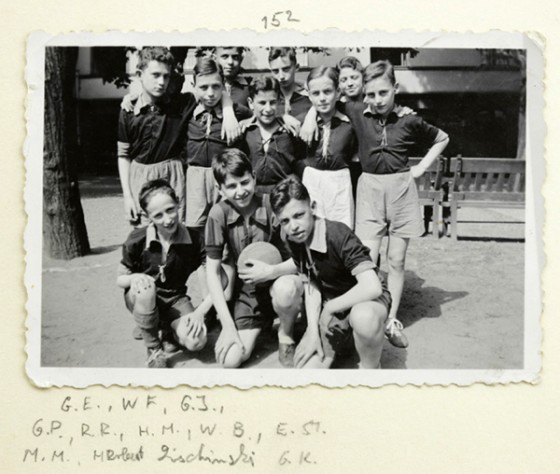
[[284, 52], [155, 186], [155, 53], [240, 49], [379, 69], [288, 189], [231, 161], [264, 84], [205, 66], [324, 71], [351, 62]]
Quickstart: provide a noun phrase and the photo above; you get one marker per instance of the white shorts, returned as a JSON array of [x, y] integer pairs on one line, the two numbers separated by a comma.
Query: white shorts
[[332, 193]]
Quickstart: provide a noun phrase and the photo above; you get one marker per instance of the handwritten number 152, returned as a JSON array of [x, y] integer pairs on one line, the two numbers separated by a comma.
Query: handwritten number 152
[[276, 19]]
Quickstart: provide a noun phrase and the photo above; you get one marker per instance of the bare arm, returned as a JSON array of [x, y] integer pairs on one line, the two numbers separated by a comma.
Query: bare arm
[[130, 209], [229, 335], [257, 272], [367, 288], [440, 143], [310, 343]]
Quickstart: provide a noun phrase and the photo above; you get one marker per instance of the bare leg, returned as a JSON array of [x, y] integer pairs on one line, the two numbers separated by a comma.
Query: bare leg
[[396, 256], [235, 356], [287, 293], [368, 325]]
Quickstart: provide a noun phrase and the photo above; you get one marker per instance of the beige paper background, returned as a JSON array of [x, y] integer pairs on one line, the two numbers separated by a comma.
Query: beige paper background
[[482, 428]]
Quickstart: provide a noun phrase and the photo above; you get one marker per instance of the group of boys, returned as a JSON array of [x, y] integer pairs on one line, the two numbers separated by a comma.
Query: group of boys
[[239, 140]]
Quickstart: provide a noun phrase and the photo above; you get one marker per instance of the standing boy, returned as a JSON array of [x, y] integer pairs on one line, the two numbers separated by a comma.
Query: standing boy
[[237, 86], [151, 134], [204, 140], [240, 219], [386, 139], [294, 102], [343, 293], [273, 151]]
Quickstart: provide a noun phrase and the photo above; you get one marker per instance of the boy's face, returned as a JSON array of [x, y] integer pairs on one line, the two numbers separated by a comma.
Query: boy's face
[[264, 106], [230, 60], [350, 82], [239, 190], [155, 78], [208, 89], [323, 94], [297, 221], [379, 93], [163, 211], [284, 71]]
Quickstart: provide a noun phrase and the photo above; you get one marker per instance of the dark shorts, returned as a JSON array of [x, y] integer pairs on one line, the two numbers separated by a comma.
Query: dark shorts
[[169, 307], [336, 334], [252, 306]]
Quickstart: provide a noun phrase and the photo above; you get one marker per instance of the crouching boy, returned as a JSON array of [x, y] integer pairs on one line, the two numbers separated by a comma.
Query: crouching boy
[[343, 293], [157, 261], [242, 218]]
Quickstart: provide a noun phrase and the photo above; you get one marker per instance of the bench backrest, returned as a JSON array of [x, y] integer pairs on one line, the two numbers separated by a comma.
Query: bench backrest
[[492, 179]]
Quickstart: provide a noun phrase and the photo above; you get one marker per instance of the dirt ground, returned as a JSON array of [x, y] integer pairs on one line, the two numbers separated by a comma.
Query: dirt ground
[[462, 305]]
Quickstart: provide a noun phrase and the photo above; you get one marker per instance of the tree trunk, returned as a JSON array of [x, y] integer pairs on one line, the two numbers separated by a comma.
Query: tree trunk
[[64, 229]]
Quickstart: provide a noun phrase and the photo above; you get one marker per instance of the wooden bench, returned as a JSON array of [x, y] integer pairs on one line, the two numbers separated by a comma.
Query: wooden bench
[[485, 183], [430, 192]]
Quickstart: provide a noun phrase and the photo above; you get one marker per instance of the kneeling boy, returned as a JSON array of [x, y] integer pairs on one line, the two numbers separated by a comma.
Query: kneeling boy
[[241, 218], [157, 261], [343, 293]]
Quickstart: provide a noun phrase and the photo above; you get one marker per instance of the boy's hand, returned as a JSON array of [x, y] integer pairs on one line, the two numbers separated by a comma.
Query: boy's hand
[[402, 111], [309, 345], [230, 128], [244, 124], [292, 124], [194, 324], [140, 282], [127, 103], [255, 272], [309, 130], [228, 337], [417, 171], [130, 210]]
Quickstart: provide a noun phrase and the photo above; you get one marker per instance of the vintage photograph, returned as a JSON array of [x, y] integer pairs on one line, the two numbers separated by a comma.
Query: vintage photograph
[[328, 211]]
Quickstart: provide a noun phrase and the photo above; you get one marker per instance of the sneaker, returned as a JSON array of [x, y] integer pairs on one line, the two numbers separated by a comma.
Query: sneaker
[[157, 359], [137, 333], [169, 344], [393, 332], [286, 353]]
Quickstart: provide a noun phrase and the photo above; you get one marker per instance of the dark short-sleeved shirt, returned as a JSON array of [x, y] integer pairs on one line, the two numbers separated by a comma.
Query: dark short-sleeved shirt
[[239, 90], [153, 133], [384, 147], [142, 253], [299, 105], [226, 228], [204, 141], [341, 145], [337, 256], [274, 159]]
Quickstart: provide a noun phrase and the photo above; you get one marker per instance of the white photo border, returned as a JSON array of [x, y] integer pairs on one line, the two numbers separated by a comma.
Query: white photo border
[[247, 378]]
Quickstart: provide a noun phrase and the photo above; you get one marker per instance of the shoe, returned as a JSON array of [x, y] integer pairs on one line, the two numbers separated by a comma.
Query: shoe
[[169, 344], [157, 359], [393, 332], [286, 353], [137, 333]]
